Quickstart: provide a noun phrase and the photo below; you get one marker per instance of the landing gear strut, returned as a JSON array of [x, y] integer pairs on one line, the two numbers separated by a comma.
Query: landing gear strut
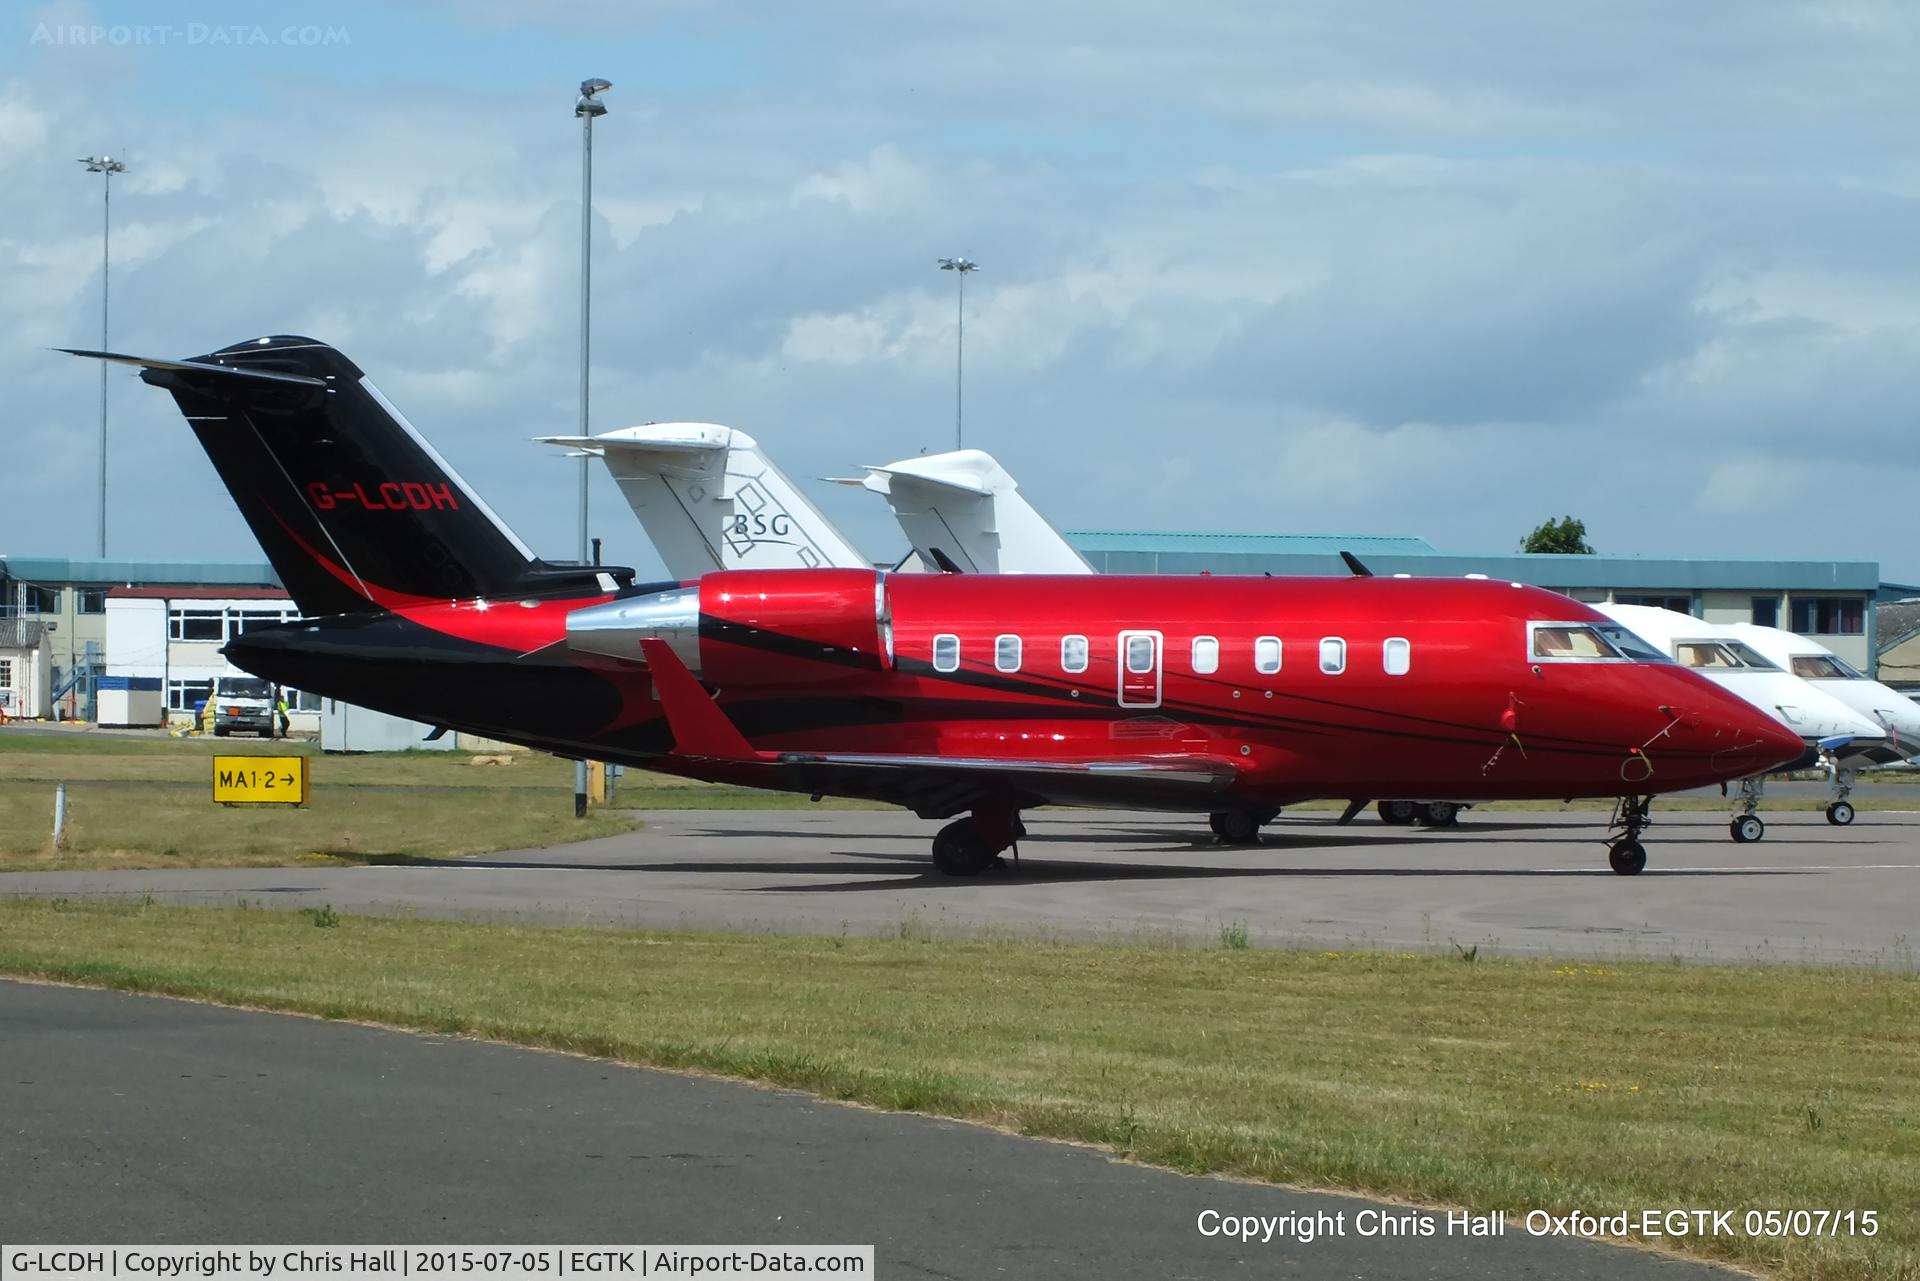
[[1746, 826], [969, 846], [1240, 827], [1625, 854]]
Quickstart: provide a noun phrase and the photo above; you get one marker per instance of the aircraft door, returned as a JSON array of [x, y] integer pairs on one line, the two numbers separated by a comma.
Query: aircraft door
[[1139, 655]]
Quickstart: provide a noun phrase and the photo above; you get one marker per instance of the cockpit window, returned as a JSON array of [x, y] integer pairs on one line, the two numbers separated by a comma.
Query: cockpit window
[[1570, 641], [1751, 657], [1708, 653], [1630, 645], [1823, 667]]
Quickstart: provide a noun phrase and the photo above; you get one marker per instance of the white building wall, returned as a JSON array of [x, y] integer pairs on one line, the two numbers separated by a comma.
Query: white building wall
[[136, 637]]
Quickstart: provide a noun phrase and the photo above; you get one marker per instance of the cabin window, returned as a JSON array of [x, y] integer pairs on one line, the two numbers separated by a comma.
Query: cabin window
[[946, 652], [1006, 653], [1333, 655], [1396, 656], [1266, 655], [1206, 655], [1139, 654], [1073, 654]]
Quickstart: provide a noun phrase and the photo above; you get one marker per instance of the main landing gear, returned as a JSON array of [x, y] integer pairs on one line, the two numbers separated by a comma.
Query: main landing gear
[[1240, 827], [1747, 826], [1625, 854], [969, 846], [1425, 813]]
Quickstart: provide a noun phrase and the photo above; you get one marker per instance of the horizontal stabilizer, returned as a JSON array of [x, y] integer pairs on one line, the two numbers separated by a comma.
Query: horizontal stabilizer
[[197, 368]]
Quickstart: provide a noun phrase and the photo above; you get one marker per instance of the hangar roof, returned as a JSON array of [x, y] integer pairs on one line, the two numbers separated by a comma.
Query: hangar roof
[[210, 573]]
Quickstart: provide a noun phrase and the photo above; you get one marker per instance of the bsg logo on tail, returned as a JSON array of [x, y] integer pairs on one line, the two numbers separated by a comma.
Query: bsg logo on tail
[[387, 496]]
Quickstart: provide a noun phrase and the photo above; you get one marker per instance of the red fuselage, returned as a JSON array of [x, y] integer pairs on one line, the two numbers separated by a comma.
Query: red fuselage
[[1289, 688]]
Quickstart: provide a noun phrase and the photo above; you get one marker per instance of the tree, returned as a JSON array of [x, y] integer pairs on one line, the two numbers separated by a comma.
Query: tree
[[1566, 536]]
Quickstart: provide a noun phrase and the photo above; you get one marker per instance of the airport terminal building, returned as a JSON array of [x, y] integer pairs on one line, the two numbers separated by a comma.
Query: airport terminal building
[[69, 622]]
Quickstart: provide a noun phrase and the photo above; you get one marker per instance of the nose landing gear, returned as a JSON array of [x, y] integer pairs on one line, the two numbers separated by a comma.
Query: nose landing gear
[[1747, 826], [1840, 810], [1625, 854]]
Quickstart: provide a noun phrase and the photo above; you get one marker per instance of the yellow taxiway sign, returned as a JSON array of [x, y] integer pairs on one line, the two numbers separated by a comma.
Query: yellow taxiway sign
[[260, 780]]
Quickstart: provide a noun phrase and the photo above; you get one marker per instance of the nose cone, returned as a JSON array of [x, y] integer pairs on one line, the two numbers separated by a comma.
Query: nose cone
[[1741, 739]]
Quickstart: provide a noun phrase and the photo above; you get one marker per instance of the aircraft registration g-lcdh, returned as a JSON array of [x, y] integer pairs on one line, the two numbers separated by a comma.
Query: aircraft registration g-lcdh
[[963, 697]]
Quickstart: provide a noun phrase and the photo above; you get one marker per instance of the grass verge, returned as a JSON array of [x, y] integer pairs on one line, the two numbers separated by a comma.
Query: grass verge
[[1497, 1083]]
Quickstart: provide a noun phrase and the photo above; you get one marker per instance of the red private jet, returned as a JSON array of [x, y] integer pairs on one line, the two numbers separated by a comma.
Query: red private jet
[[968, 698]]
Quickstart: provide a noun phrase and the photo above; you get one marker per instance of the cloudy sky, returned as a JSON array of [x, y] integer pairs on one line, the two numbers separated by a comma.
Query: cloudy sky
[[1360, 268]]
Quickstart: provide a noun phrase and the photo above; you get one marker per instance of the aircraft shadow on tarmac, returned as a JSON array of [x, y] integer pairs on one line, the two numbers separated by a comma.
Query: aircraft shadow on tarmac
[[898, 871]]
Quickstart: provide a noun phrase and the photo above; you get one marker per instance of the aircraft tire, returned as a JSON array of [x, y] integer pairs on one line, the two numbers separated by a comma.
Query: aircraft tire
[[1437, 814], [959, 850], [1840, 813], [1627, 857], [1395, 813], [1235, 827], [1746, 828]]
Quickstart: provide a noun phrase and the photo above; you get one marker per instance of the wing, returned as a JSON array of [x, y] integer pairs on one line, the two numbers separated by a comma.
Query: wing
[[934, 786]]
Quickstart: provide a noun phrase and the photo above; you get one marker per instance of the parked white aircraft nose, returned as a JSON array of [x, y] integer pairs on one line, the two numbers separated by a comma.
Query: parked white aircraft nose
[[1718, 653], [1820, 667]]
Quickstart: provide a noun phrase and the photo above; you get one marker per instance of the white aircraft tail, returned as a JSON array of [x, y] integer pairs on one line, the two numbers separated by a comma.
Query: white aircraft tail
[[964, 513], [709, 498]]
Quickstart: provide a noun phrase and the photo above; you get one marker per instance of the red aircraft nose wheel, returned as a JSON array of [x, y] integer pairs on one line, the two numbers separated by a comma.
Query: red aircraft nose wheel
[[1746, 828], [1627, 856], [1840, 813]]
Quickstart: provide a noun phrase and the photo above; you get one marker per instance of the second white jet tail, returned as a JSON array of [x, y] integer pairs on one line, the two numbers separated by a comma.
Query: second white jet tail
[[964, 513], [709, 498]]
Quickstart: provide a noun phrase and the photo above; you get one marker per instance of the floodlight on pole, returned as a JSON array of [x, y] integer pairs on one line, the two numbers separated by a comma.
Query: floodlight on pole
[[959, 267], [588, 107], [106, 167]]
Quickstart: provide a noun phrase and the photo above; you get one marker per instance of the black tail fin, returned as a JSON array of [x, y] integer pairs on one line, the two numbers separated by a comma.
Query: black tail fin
[[350, 504]]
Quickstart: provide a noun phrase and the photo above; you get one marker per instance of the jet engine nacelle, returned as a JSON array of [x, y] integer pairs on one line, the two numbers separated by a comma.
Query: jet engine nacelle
[[752, 627]]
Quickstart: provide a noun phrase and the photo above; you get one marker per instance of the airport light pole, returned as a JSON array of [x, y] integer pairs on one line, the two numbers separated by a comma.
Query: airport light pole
[[587, 107], [959, 267], [106, 167]]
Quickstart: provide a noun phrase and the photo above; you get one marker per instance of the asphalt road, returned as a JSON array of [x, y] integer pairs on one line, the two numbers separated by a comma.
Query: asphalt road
[[1520, 883], [134, 1119]]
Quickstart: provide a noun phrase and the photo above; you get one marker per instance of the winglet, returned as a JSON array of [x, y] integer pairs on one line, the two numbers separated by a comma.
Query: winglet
[[699, 727]]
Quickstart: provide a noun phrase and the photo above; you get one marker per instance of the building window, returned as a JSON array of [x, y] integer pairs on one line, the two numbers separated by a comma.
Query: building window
[[39, 600], [1333, 655], [182, 695], [1678, 604], [1829, 615], [946, 652], [300, 701], [1766, 611], [196, 625], [1266, 655], [6, 673], [1006, 653], [1073, 654], [1206, 655], [90, 600], [1396, 656]]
